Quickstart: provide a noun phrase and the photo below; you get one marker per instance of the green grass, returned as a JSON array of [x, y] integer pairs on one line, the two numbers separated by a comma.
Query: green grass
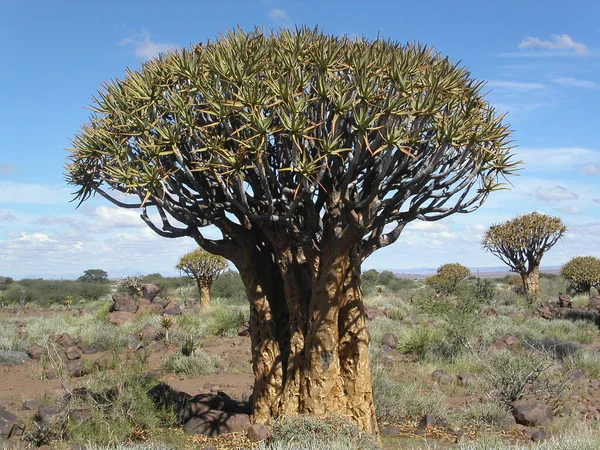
[[201, 363]]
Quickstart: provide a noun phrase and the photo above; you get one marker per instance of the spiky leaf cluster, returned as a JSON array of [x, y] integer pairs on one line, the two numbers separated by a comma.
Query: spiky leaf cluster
[[521, 242], [447, 277], [295, 129], [201, 265], [582, 273]]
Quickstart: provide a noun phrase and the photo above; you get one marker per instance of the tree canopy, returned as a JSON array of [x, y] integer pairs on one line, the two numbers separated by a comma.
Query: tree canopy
[[582, 273], [293, 129]]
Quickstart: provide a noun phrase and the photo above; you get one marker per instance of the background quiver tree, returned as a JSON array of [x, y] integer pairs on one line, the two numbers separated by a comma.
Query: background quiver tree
[[582, 273], [521, 243], [204, 268], [308, 152], [94, 276], [446, 280]]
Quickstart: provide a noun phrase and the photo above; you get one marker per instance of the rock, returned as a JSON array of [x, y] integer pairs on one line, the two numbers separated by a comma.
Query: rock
[[91, 349], [149, 291], [213, 423], [151, 308], [489, 312], [466, 379], [546, 312], [10, 425], [172, 309], [75, 368], [244, 330], [31, 405], [258, 432], [510, 341], [72, 353], [564, 300], [440, 376], [498, 345], [120, 317], [80, 415], [390, 339], [48, 415], [64, 340], [536, 435], [577, 376], [104, 362], [427, 422], [160, 301], [390, 431], [531, 412], [372, 313], [594, 303], [210, 447], [123, 303], [148, 333]]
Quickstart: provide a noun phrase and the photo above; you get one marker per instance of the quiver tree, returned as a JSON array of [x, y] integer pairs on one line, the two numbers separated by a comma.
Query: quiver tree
[[582, 273], [447, 278], [308, 152], [521, 243], [203, 267]]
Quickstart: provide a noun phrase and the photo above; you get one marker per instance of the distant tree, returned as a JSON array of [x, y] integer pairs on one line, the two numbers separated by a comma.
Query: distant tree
[[521, 243], [94, 276], [308, 153], [205, 268], [582, 273], [446, 280]]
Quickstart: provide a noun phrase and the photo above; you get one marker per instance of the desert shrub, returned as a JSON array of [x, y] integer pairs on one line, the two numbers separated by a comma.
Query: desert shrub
[[386, 282], [12, 357], [200, 363], [483, 289], [396, 401], [49, 292], [121, 410], [229, 285], [309, 432], [167, 284], [490, 413], [515, 284], [447, 278], [225, 321], [419, 341], [582, 273], [586, 361], [554, 347]]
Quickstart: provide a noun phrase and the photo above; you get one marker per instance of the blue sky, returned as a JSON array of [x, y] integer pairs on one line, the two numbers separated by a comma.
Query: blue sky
[[541, 60]]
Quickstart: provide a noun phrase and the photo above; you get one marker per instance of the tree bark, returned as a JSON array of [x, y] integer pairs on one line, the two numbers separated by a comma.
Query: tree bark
[[309, 340], [531, 280], [204, 291]]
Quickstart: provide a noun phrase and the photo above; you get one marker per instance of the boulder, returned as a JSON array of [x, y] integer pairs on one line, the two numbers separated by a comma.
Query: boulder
[[123, 303], [214, 423], [120, 317], [172, 309], [390, 340], [565, 301], [372, 313], [510, 341], [531, 412], [148, 333], [48, 415], [160, 301], [594, 303], [536, 435], [244, 331], [390, 430], [72, 353], [149, 291], [75, 368], [64, 340], [10, 425], [440, 376], [258, 432], [91, 349], [151, 308], [466, 379], [31, 405], [427, 422], [36, 352]]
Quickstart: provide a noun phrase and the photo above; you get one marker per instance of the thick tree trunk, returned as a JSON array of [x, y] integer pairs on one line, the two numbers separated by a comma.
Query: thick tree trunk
[[309, 340], [204, 291], [531, 280]]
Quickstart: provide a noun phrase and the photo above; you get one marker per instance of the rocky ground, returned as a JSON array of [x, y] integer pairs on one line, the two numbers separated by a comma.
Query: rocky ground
[[450, 404]]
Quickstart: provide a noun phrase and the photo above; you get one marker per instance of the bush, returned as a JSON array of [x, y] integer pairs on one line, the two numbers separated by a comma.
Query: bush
[[229, 285], [515, 284], [53, 292], [201, 363], [582, 273], [308, 432], [447, 278], [226, 321]]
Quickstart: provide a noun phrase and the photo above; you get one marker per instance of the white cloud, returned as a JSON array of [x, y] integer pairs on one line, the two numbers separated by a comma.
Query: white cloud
[[558, 42], [280, 16], [569, 210], [114, 217], [54, 220], [145, 48], [7, 217], [557, 158], [574, 82], [38, 238], [33, 194], [591, 169], [557, 193], [514, 85]]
